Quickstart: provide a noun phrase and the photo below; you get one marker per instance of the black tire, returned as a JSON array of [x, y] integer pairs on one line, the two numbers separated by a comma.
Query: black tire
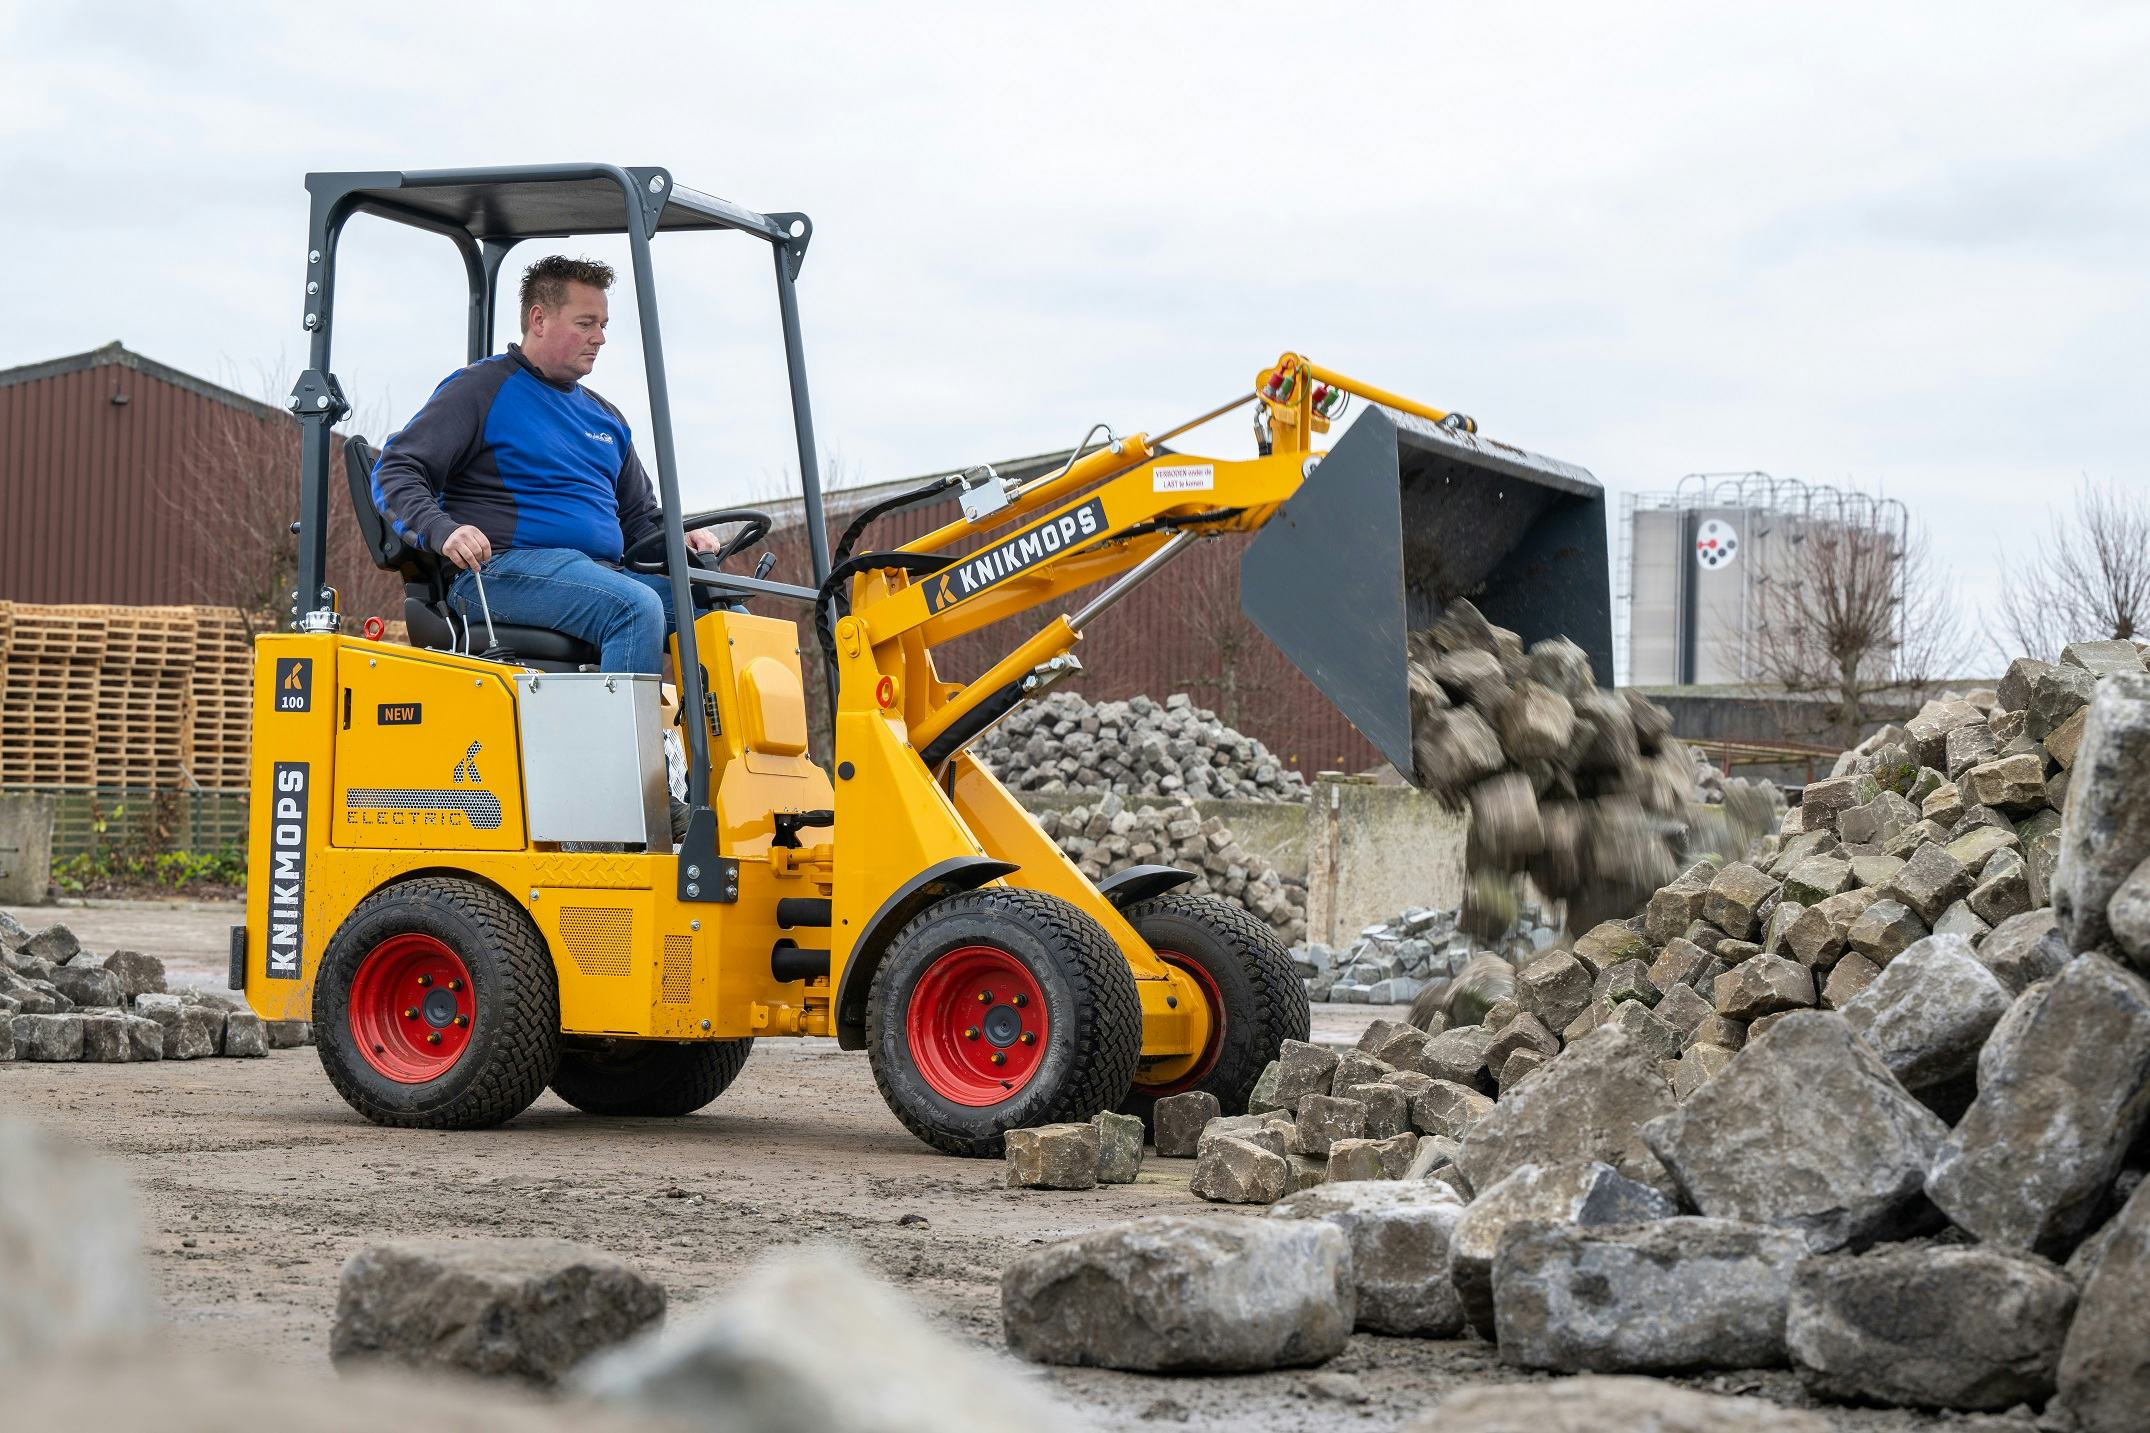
[[656, 1078], [1264, 1001], [1093, 1034], [514, 1039]]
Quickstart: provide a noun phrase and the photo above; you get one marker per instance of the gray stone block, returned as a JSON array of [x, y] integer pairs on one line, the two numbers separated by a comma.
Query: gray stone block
[[1967, 1328], [1061, 1156], [1174, 1294], [1590, 1103], [1399, 1235], [1180, 1120], [1806, 1129], [1231, 1170], [2104, 1375], [2063, 1093], [243, 1037], [1680, 1293], [1928, 1014], [1582, 1192], [524, 1309]]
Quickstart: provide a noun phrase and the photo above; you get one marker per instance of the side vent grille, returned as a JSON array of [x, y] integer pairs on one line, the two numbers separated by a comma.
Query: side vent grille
[[678, 968], [599, 939]]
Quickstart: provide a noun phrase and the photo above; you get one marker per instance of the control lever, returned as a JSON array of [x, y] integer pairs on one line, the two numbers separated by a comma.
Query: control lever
[[761, 568], [493, 652], [789, 822]]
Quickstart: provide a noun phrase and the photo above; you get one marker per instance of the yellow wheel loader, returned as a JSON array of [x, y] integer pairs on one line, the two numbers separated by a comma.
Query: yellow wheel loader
[[463, 866]]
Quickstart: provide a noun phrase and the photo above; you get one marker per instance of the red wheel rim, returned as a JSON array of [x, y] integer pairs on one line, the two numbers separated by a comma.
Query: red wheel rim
[[1212, 1047], [977, 1025], [412, 1008]]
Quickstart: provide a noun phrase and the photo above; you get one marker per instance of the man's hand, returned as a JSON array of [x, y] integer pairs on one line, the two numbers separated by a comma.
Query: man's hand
[[702, 539], [467, 547]]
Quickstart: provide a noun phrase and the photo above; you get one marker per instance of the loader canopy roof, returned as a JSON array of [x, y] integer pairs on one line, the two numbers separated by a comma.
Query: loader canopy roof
[[547, 201], [485, 213]]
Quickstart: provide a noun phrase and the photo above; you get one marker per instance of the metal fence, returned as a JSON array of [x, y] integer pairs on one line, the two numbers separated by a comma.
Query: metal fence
[[90, 820]]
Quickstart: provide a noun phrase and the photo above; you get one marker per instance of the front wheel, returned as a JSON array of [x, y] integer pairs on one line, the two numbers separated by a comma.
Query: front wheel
[[436, 1007], [657, 1078], [1256, 1001], [1001, 1009]]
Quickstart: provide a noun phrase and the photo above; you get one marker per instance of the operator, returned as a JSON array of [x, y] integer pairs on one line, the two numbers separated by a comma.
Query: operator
[[516, 470]]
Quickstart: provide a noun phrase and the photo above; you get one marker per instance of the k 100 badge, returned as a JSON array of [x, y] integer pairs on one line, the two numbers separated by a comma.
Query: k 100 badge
[[294, 684]]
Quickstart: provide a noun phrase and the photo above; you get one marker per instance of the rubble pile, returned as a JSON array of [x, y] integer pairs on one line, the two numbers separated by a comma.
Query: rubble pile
[[1135, 747], [1581, 789], [1870, 1105], [1394, 962], [1111, 834], [59, 1002]]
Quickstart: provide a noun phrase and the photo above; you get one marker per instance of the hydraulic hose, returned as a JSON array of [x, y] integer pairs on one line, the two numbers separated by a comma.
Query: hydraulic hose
[[832, 602]]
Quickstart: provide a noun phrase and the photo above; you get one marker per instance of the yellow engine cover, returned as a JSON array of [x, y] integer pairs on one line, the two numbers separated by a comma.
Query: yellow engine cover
[[426, 755]]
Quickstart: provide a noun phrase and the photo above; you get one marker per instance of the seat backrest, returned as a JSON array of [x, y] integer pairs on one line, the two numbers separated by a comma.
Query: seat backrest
[[389, 551]]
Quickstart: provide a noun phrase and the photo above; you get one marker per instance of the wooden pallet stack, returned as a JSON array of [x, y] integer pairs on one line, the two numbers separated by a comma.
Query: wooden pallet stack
[[220, 704], [48, 705], [143, 683]]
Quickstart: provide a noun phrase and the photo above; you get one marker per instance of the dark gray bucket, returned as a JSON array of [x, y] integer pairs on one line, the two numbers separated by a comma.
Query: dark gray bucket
[[1400, 519]]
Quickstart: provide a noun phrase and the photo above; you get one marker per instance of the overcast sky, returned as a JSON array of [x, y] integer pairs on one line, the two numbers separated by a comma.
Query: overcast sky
[[1901, 247]]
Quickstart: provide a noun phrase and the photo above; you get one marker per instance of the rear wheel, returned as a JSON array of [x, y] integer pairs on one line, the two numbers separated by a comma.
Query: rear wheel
[[644, 1077], [1256, 1001], [999, 1010], [436, 1007]]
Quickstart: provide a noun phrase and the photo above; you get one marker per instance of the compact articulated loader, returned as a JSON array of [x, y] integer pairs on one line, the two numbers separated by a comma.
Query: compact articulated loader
[[464, 869]]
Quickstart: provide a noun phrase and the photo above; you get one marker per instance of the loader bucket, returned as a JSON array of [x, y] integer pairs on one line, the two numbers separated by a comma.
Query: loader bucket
[[1401, 518]]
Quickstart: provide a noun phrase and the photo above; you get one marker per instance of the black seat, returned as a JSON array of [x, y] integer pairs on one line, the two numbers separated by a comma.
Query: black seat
[[426, 612]]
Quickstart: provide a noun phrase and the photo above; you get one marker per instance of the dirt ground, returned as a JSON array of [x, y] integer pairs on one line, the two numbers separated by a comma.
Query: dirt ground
[[256, 1182]]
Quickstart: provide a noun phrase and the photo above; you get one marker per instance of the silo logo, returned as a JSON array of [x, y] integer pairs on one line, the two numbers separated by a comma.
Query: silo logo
[[1716, 544]]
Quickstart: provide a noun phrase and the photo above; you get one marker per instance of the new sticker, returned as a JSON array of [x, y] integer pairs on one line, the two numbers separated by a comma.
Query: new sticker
[[1184, 478]]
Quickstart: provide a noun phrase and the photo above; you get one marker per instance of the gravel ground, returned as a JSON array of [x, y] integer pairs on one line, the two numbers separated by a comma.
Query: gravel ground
[[256, 1182]]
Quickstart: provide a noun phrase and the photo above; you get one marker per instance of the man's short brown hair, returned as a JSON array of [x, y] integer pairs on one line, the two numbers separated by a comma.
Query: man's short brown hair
[[545, 282]]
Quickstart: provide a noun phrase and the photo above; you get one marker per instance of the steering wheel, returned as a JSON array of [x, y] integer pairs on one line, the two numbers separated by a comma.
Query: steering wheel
[[648, 554]]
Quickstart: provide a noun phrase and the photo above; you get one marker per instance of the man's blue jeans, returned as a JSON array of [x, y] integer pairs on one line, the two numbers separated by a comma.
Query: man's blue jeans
[[626, 615]]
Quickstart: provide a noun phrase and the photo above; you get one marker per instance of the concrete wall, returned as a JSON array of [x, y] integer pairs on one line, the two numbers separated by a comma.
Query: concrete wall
[[1374, 850], [1365, 851], [25, 849]]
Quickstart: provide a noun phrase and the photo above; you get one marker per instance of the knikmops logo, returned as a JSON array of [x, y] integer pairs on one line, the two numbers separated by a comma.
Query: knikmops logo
[[997, 564]]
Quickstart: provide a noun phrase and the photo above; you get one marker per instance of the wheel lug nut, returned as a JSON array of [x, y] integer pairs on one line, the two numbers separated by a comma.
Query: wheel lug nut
[[424, 980], [999, 1059], [410, 1012], [455, 985], [461, 1021], [1030, 1037], [1020, 1001], [434, 1038], [970, 1032], [985, 997]]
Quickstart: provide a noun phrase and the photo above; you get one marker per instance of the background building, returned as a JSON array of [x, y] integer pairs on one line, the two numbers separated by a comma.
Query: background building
[[1695, 567]]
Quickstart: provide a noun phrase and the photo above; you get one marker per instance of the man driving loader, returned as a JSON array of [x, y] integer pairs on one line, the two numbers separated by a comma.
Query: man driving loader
[[517, 473]]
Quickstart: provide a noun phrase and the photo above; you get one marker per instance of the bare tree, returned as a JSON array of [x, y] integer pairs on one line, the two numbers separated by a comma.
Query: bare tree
[[2090, 579], [1859, 621], [239, 497]]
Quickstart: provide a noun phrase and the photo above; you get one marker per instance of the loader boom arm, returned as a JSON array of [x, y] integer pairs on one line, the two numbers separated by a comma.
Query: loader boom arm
[[1103, 516]]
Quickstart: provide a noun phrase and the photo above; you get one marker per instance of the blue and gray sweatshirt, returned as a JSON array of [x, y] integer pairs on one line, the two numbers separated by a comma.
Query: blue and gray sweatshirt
[[526, 461]]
